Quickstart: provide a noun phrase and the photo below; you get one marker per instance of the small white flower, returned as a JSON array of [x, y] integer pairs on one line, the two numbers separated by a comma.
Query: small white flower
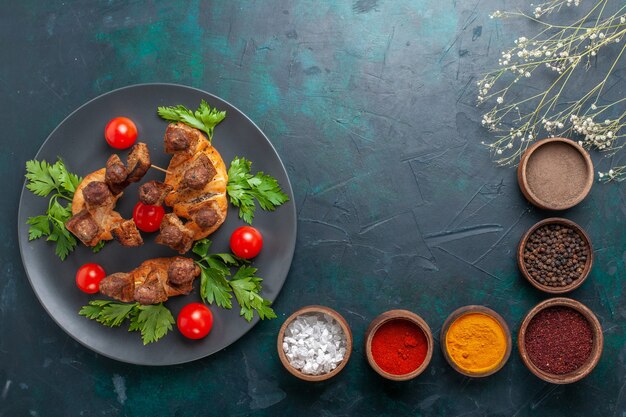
[[593, 107], [500, 100], [611, 172], [499, 151]]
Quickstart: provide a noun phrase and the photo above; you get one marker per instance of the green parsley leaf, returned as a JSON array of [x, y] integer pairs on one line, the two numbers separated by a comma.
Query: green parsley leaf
[[205, 118], [215, 287], [43, 179], [152, 321], [98, 246], [244, 188]]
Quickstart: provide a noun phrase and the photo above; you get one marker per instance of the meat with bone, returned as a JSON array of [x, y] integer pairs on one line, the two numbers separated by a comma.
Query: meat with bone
[[152, 281]]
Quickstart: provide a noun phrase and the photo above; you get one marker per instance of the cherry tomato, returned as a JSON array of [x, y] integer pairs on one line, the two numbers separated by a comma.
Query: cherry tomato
[[246, 242], [88, 278], [120, 132], [148, 218], [195, 321]]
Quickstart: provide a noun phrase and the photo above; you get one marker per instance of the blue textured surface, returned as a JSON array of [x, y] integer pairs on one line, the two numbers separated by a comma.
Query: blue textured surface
[[370, 105]]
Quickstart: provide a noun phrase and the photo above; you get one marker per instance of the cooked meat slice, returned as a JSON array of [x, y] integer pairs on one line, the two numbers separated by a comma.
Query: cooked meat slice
[[205, 215], [127, 234], [97, 194], [84, 227], [153, 193], [174, 234], [199, 173], [178, 137], [150, 282], [116, 174], [182, 271], [152, 290], [138, 162], [120, 286]]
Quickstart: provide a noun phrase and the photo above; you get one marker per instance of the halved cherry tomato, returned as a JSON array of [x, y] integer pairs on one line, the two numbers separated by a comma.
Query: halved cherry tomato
[[148, 218], [88, 278], [195, 321], [246, 242], [120, 132]]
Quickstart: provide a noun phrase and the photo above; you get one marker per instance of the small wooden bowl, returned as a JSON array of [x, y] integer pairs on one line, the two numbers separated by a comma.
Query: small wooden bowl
[[598, 341], [398, 315], [468, 310], [546, 288], [311, 310], [546, 169]]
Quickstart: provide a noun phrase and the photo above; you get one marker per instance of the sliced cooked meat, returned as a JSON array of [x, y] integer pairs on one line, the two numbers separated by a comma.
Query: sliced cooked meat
[[127, 234], [152, 290], [97, 194], [116, 174], [120, 286], [205, 215], [149, 283], [138, 162], [153, 193], [182, 271], [174, 234], [178, 137], [199, 173], [84, 227]]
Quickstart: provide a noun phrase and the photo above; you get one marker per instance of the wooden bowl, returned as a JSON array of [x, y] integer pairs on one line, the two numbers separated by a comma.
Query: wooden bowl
[[555, 173], [575, 283], [310, 310], [467, 310], [596, 352], [398, 315]]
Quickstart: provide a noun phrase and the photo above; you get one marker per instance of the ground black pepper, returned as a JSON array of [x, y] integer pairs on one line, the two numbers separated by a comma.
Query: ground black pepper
[[559, 340], [555, 255]]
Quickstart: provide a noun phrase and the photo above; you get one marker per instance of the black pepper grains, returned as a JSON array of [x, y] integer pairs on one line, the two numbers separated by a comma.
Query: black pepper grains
[[555, 255]]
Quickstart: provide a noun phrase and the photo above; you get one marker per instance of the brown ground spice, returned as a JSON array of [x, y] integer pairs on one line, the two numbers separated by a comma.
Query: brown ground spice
[[559, 340]]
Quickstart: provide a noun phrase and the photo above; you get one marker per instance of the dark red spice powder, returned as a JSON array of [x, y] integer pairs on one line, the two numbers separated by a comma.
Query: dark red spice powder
[[559, 340], [399, 347]]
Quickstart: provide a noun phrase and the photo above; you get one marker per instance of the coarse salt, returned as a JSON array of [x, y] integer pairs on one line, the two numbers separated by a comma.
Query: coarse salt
[[314, 344]]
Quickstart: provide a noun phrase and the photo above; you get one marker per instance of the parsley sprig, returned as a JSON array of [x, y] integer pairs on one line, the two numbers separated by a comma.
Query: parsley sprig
[[44, 179], [152, 321], [205, 118], [217, 286], [244, 188]]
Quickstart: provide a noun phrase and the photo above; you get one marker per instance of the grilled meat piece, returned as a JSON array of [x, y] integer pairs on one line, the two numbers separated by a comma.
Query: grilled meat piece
[[84, 227], [127, 234], [182, 271], [120, 286], [138, 162], [179, 138], [205, 214], [150, 283], [199, 173], [116, 174], [97, 194], [174, 234], [153, 193]]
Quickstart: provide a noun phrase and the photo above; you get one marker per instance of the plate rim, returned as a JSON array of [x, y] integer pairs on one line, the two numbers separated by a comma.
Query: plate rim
[[21, 208]]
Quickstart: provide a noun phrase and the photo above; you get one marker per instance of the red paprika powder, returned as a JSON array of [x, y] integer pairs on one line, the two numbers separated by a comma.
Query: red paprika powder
[[399, 347]]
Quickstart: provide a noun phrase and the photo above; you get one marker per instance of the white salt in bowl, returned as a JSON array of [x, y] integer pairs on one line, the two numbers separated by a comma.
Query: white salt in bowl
[[320, 312]]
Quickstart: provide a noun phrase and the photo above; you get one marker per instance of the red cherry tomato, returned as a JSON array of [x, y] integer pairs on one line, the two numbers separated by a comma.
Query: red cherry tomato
[[246, 242], [195, 321], [88, 278], [148, 218], [120, 132]]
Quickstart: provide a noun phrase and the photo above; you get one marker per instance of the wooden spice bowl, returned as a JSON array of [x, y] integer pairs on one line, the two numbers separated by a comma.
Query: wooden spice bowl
[[392, 315], [555, 173], [546, 288], [315, 309], [468, 310], [596, 352]]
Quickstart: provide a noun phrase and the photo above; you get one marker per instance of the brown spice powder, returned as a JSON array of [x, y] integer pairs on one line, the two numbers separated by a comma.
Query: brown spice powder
[[556, 173], [559, 340]]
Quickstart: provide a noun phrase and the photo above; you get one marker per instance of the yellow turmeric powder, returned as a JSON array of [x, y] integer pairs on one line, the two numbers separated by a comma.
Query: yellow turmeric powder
[[476, 342]]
